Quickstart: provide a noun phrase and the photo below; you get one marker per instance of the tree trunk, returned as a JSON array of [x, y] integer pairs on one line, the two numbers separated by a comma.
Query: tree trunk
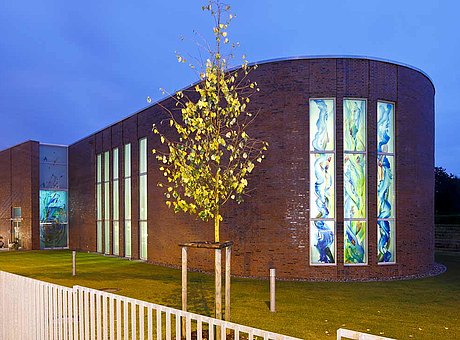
[[216, 227]]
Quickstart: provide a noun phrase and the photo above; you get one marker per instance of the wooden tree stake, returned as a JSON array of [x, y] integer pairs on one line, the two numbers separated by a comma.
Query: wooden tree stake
[[228, 253], [219, 284]]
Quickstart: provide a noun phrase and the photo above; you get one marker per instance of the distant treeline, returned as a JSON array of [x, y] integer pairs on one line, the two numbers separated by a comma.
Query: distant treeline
[[447, 193]]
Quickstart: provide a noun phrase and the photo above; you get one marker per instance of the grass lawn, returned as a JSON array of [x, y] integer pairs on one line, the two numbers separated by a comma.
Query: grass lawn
[[417, 309]]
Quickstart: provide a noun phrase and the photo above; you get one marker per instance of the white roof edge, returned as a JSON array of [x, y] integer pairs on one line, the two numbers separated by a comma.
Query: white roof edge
[[52, 144], [344, 56]]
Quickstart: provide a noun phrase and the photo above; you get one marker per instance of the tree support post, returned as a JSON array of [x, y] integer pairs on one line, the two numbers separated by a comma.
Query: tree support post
[[217, 246], [184, 288], [218, 282], [184, 279], [228, 253]]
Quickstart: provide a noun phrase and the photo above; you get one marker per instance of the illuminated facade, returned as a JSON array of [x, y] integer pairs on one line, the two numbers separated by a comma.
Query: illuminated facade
[[345, 193]]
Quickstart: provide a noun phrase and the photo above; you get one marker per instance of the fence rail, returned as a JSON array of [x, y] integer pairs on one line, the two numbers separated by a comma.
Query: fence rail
[[348, 334], [33, 309]]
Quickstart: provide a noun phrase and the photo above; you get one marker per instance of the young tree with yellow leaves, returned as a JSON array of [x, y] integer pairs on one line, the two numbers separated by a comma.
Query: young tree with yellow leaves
[[210, 162]]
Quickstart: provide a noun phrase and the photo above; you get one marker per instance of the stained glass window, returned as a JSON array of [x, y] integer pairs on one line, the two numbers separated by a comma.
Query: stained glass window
[[53, 219], [322, 181], [354, 181], [53, 167], [53, 197], [385, 183]]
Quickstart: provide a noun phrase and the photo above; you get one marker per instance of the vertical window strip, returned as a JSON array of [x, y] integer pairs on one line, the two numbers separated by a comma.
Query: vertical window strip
[[386, 208], [143, 198], [322, 182], [127, 198], [355, 181], [107, 216], [116, 202], [99, 202]]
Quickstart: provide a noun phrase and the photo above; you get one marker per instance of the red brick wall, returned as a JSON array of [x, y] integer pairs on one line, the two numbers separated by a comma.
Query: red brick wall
[[19, 182], [270, 228]]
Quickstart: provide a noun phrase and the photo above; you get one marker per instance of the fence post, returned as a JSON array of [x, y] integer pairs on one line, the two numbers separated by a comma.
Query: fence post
[[272, 290], [2, 307]]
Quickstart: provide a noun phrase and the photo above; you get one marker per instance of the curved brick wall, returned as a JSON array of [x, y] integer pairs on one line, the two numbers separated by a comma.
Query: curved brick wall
[[270, 229]]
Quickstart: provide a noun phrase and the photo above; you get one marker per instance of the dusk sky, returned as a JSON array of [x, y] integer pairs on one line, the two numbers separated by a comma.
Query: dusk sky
[[68, 69]]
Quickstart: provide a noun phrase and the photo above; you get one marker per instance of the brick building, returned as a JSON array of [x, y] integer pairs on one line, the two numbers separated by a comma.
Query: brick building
[[346, 191]]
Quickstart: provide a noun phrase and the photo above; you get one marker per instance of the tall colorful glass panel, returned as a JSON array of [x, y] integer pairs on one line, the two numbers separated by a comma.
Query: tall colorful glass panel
[[354, 181], [53, 197], [53, 219], [322, 181], [385, 183]]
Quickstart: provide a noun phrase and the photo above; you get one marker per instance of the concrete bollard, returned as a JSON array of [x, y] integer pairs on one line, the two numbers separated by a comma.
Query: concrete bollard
[[272, 290]]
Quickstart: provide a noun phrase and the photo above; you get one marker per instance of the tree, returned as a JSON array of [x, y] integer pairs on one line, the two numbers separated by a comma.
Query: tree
[[213, 156], [447, 192]]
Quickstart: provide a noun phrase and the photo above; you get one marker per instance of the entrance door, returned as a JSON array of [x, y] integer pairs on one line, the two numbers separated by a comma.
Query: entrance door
[[15, 233]]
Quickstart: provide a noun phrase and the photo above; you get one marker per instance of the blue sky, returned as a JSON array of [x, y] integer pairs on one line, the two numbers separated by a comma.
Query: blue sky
[[68, 69]]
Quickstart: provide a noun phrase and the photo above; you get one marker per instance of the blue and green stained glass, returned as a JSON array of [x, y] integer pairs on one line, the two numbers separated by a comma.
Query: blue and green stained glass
[[354, 125], [385, 183], [355, 242], [53, 219]]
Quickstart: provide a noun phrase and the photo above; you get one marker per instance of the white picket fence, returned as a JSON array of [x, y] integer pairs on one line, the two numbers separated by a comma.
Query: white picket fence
[[32, 309], [343, 333]]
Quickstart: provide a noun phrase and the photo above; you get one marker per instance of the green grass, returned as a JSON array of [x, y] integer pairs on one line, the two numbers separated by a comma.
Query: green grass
[[416, 309]]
